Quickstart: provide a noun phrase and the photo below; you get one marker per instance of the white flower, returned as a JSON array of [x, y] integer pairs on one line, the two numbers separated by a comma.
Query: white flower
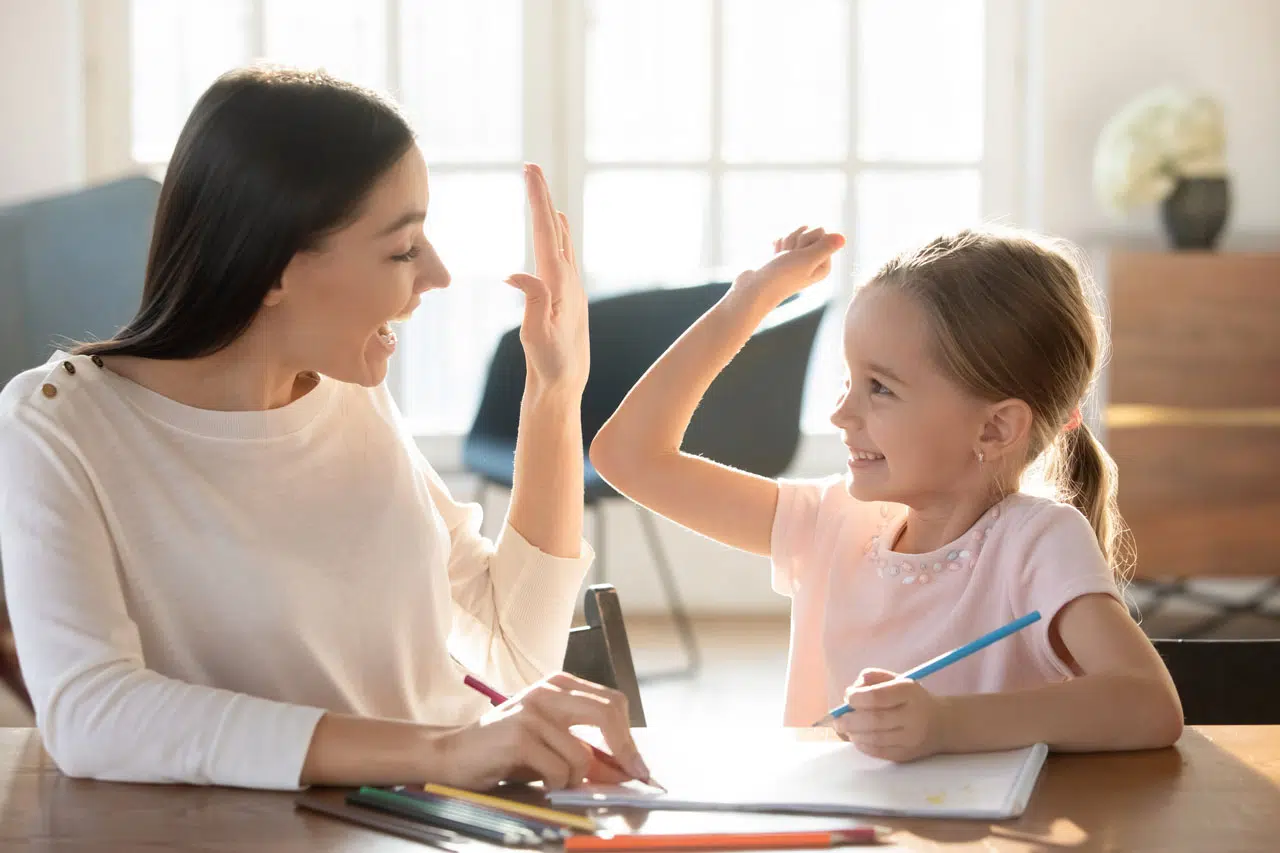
[[1163, 135]]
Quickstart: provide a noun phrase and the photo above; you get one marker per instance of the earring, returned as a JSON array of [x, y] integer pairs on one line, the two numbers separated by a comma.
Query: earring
[[982, 457]]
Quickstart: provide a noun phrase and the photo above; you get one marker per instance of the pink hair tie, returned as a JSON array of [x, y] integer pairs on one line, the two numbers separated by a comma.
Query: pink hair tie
[[1073, 423]]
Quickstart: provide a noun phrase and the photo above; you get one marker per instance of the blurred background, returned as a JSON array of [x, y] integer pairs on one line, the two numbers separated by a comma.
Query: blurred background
[[681, 137]]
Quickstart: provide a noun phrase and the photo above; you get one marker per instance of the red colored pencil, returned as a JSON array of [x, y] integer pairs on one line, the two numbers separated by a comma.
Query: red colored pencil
[[727, 840], [603, 757]]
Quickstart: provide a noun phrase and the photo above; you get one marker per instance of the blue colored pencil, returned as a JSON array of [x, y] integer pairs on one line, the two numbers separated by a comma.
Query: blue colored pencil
[[943, 661]]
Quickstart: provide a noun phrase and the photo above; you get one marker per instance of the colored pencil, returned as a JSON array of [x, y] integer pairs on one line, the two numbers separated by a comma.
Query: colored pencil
[[603, 757], [461, 817], [727, 840], [572, 821], [943, 661]]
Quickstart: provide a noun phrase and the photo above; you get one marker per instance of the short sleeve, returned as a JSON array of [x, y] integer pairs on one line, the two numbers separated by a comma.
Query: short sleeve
[[795, 524], [1063, 562]]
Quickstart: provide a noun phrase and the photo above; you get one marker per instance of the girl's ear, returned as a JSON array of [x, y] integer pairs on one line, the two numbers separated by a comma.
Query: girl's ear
[[1005, 430]]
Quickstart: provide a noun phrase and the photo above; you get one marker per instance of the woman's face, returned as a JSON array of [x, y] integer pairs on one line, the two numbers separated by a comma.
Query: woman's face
[[336, 303]]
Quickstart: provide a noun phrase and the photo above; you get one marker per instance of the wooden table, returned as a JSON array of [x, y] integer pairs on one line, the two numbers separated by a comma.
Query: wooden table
[[1218, 790]]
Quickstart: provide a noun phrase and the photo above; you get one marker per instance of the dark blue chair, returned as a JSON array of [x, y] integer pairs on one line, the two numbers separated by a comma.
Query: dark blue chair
[[1225, 682], [71, 268], [750, 418]]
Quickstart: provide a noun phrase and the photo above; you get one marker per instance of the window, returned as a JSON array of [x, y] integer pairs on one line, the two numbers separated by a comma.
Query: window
[[681, 136]]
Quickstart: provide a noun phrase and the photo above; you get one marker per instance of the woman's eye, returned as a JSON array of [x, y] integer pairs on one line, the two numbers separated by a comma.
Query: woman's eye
[[405, 257]]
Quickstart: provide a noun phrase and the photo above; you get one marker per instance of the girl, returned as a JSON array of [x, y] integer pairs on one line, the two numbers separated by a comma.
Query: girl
[[967, 360]]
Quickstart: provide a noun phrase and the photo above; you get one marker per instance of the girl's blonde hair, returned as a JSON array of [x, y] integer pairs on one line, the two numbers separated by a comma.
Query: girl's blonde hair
[[1012, 319]]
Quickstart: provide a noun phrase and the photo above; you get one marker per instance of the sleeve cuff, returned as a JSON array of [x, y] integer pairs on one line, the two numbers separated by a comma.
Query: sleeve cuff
[[782, 540], [1053, 604], [536, 595], [266, 743]]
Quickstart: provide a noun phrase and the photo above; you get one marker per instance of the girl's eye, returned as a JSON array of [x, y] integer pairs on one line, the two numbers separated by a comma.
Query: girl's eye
[[405, 257], [878, 388]]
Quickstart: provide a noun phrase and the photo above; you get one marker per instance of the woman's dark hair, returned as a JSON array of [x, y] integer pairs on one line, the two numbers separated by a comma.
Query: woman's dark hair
[[270, 161]]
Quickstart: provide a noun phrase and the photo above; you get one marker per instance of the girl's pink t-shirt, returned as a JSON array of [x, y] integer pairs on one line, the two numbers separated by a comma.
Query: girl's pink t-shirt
[[856, 603]]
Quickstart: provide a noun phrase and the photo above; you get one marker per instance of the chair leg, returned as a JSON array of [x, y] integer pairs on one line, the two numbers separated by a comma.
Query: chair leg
[[684, 627], [597, 515]]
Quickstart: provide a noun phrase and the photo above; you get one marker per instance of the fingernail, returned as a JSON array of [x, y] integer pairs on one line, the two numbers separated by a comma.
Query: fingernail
[[638, 768]]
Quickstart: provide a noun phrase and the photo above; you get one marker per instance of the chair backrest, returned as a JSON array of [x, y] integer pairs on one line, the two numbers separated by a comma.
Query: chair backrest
[[599, 651], [71, 268], [751, 415], [1225, 682], [10, 671]]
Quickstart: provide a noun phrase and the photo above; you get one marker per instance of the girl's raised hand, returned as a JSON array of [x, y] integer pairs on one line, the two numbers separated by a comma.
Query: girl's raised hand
[[801, 258]]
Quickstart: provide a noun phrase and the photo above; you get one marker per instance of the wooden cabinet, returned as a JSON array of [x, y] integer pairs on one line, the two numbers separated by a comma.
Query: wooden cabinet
[[1192, 412]]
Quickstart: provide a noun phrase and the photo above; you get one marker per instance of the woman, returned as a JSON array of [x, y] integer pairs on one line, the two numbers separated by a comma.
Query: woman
[[225, 560]]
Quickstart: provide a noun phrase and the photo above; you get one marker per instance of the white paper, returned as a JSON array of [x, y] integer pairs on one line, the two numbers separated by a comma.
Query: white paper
[[736, 772]]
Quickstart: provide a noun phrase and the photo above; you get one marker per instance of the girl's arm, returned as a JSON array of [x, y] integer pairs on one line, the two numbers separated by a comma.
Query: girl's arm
[[638, 450], [1121, 698]]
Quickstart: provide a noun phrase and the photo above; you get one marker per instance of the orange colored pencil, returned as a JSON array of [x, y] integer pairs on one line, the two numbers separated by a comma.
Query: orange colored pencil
[[727, 840]]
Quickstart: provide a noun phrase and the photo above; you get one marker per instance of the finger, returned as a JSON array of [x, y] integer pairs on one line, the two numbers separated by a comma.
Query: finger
[[831, 243], [546, 762], [777, 246], [573, 752], [546, 241], [879, 697], [896, 754], [616, 700], [789, 241], [552, 213], [535, 290], [588, 704], [606, 774], [810, 237], [880, 740], [567, 240], [871, 722], [870, 676]]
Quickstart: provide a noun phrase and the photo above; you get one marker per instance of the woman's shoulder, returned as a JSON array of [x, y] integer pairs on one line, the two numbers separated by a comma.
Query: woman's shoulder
[[45, 392]]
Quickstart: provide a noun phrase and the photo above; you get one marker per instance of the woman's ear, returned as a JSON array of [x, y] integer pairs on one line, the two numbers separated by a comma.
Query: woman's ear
[[1006, 429], [274, 296]]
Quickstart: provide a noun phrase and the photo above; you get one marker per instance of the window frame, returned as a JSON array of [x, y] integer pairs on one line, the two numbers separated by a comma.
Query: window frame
[[554, 134]]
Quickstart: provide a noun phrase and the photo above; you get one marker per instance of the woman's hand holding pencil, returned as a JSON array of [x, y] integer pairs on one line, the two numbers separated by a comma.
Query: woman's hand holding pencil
[[535, 742], [528, 739]]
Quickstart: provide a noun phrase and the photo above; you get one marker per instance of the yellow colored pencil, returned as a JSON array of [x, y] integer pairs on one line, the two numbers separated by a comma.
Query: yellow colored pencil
[[586, 824]]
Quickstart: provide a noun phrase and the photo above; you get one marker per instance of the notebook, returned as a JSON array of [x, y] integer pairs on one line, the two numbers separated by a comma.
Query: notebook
[[735, 771]]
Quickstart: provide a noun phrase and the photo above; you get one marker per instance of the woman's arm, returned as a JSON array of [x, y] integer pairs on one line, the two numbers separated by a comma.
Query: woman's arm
[[547, 491], [527, 739], [638, 449], [101, 712]]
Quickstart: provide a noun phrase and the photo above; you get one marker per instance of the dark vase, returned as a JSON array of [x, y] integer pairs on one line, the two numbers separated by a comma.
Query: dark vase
[[1195, 212]]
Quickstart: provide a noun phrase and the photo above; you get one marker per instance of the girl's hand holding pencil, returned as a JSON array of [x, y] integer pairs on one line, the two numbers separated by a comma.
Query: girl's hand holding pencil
[[897, 719]]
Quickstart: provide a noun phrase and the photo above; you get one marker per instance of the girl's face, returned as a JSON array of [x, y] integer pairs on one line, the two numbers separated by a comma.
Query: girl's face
[[333, 310], [912, 432]]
